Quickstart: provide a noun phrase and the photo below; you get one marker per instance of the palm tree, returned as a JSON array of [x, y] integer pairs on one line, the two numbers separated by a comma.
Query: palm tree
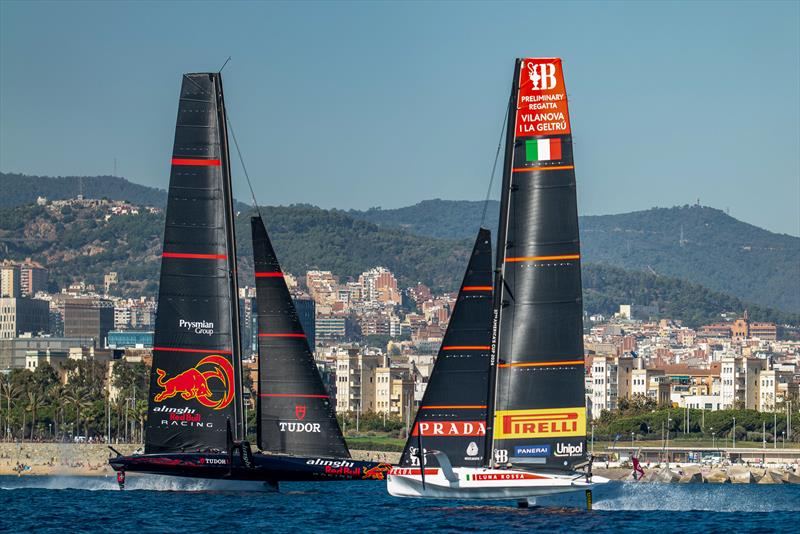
[[10, 391], [35, 401], [140, 414], [72, 398], [56, 396], [84, 402]]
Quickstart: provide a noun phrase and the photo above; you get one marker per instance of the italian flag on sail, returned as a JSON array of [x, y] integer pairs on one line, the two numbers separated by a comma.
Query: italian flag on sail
[[543, 149]]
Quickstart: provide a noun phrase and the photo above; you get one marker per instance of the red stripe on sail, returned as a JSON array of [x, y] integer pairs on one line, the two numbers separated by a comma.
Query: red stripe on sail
[[542, 364], [204, 351], [546, 258], [466, 347], [550, 168], [477, 288], [455, 407], [303, 395], [276, 274], [187, 256], [281, 335], [196, 162]]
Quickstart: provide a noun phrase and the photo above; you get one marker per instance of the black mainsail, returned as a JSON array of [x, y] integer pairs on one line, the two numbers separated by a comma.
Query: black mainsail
[[537, 369], [196, 379], [295, 413], [452, 415]]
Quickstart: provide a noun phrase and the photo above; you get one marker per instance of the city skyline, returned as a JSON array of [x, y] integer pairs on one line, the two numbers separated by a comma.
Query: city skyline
[[712, 115]]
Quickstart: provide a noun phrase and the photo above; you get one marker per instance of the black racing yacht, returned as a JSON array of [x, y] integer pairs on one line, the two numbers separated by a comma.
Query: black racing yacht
[[195, 423]]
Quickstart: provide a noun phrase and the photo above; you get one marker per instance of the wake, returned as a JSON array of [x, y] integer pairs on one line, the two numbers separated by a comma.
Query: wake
[[132, 483], [698, 497]]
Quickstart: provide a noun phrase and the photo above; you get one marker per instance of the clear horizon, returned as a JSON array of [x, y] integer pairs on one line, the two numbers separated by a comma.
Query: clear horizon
[[353, 105]]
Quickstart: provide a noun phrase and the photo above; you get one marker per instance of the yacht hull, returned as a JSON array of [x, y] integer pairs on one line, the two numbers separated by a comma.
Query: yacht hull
[[486, 484], [263, 467]]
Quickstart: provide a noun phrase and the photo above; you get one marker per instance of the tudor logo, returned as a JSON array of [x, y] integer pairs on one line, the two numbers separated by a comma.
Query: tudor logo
[[299, 427], [569, 449], [300, 412], [542, 75]]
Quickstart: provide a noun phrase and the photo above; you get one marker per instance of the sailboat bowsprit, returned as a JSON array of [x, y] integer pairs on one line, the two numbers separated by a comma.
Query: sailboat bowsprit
[[195, 410], [531, 415]]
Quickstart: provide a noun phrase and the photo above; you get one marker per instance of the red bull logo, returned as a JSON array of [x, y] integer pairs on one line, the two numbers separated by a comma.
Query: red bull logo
[[193, 383], [376, 473]]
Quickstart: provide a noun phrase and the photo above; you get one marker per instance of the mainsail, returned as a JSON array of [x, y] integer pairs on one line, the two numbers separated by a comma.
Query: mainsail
[[452, 415], [295, 413], [538, 365], [195, 383]]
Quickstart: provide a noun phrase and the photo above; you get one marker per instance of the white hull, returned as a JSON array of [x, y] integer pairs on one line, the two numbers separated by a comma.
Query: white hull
[[492, 484]]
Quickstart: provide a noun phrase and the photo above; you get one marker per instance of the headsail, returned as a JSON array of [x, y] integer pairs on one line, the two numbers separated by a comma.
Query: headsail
[[295, 413], [452, 415], [195, 382], [539, 405]]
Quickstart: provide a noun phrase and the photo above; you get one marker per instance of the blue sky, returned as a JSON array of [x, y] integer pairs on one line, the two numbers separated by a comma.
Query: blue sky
[[353, 105]]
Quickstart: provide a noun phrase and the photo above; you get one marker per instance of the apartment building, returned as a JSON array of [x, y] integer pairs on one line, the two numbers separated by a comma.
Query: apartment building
[[739, 382], [355, 379], [775, 386], [611, 379], [22, 315]]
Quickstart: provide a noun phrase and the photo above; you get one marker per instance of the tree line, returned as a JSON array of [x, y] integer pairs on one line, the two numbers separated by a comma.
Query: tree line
[[73, 403]]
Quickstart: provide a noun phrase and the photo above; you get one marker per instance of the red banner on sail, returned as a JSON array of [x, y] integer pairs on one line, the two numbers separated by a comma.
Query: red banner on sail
[[542, 100]]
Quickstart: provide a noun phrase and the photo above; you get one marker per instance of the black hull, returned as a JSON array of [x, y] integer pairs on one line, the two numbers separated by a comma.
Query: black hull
[[265, 467]]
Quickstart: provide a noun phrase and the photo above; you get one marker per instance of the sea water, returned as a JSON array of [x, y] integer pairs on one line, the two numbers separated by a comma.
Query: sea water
[[158, 504]]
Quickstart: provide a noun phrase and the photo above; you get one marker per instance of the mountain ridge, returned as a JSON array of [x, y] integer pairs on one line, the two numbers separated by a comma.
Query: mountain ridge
[[699, 244]]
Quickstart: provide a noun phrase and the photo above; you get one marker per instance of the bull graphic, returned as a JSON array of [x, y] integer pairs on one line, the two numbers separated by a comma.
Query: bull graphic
[[378, 472], [193, 383]]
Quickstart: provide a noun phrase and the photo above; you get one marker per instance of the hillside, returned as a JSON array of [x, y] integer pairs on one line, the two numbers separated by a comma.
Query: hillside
[[20, 189], [605, 287], [78, 244], [448, 219], [717, 251]]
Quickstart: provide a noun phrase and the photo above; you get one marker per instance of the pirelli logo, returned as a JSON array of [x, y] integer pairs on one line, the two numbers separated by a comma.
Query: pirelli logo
[[520, 424]]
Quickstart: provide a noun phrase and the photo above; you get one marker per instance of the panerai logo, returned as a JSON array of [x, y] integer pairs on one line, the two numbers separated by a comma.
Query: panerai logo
[[569, 449], [198, 327]]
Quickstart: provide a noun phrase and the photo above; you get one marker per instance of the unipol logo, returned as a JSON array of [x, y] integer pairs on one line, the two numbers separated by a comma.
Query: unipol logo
[[542, 75]]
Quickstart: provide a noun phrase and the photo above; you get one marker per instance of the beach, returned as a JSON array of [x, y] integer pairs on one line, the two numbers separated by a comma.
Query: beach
[[91, 459]]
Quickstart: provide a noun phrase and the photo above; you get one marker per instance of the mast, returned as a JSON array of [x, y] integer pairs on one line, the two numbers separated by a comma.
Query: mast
[[453, 413], [539, 414], [295, 412], [233, 271], [502, 232], [194, 387]]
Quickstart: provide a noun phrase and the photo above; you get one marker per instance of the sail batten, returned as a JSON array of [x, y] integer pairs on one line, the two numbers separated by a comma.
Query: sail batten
[[195, 388]]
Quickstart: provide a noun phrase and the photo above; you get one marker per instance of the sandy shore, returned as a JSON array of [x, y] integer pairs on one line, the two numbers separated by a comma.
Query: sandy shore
[[85, 459]]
